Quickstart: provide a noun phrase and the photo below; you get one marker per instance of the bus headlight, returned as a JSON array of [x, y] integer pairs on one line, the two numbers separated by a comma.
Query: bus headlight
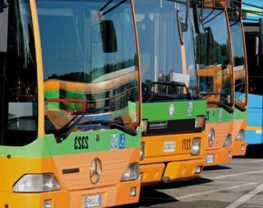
[[144, 126], [200, 122], [36, 183], [131, 173], [241, 135], [196, 143], [228, 140], [142, 151]]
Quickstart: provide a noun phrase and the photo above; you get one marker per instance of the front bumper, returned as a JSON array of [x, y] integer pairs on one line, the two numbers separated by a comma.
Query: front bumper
[[174, 170], [110, 196], [239, 148], [221, 156]]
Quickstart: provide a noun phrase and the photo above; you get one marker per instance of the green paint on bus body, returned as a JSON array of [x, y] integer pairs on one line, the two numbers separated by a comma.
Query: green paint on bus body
[[173, 110], [218, 115], [47, 146]]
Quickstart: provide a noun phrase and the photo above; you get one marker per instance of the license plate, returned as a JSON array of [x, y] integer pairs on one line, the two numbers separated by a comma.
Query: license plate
[[209, 159], [169, 146], [92, 201]]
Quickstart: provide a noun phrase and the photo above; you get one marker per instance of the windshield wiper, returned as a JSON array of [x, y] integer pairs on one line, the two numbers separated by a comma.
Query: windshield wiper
[[63, 133], [228, 108], [240, 107], [112, 124]]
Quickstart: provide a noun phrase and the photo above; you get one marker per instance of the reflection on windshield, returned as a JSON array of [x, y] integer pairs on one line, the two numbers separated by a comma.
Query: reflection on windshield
[[90, 61], [19, 80], [190, 53], [160, 47], [239, 62], [212, 51]]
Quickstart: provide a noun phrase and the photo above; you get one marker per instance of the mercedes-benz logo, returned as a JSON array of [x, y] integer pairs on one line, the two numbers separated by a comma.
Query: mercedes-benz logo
[[95, 171]]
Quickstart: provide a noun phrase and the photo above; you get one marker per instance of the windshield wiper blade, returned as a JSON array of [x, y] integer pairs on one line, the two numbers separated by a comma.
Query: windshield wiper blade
[[240, 107], [228, 108], [112, 124], [63, 133]]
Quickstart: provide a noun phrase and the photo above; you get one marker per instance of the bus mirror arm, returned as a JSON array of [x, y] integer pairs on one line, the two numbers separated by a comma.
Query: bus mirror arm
[[197, 19], [223, 105], [240, 107], [185, 23], [3, 26]]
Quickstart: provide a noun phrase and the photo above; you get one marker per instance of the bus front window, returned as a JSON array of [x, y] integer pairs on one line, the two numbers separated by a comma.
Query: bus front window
[[90, 62], [163, 76], [239, 63], [213, 59], [19, 79]]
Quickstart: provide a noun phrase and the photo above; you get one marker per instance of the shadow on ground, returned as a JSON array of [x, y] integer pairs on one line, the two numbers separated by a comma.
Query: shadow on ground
[[216, 167], [150, 195], [179, 184]]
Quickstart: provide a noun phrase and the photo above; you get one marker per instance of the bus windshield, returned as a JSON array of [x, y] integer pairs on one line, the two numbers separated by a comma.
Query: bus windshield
[[90, 62], [239, 63], [160, 51], [213, 58], [19, 79]]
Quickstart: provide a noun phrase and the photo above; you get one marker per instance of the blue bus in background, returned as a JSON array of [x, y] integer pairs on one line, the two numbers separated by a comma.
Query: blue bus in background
[[254, 42]]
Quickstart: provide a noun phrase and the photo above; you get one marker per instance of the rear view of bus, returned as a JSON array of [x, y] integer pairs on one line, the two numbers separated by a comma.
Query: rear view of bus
[[215, 75], [240, 77], [70, 107], [172, 113]]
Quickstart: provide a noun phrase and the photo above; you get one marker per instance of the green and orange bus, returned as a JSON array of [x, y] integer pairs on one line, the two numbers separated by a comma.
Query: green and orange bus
[[215, 72], [173, 114], [240, 78], [70, 104]]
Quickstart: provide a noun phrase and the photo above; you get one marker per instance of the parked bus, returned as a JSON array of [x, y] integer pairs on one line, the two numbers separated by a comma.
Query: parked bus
[[70, 104], [254, 40], [215, 71], [173, 114], [240, 77]]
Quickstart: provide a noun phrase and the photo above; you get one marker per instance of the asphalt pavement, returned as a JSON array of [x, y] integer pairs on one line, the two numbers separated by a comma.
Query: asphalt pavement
[[239, 184]]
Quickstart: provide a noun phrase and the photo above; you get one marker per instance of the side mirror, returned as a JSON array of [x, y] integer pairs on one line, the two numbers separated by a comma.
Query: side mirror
[[3, 27], [108, 36]]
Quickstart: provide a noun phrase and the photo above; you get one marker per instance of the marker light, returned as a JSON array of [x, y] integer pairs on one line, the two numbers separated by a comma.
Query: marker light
[[131, 173], [36, 183], [133, 191], [198, 169], [196, 143], [47, 203]]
